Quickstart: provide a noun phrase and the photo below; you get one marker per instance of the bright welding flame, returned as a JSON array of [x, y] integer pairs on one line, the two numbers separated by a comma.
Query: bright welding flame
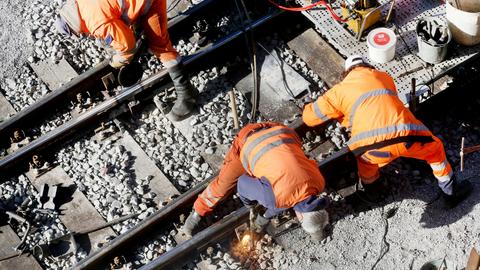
[[246, 239]]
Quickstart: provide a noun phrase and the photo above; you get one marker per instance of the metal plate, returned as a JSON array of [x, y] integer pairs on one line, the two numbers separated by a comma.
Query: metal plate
[[406, 60]]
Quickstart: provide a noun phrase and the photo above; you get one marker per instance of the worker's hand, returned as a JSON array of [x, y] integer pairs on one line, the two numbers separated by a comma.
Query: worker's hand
[[461, 190], [117, 61], [191, 223]]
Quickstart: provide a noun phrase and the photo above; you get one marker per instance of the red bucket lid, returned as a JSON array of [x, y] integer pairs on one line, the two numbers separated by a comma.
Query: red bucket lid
[[381, 38]]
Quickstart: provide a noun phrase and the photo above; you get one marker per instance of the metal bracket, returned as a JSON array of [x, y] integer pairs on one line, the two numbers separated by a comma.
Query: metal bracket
[[38, 166], [109, 81]]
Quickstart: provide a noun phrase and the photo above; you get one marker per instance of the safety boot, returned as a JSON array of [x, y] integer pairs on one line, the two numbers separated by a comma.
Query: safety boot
[[373, 192], [186, 93], [314, 223], [460, 191]]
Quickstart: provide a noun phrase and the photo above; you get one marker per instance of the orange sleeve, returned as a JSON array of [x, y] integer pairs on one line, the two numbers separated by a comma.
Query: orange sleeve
[[322, 110], [119, 37], [224, 184]]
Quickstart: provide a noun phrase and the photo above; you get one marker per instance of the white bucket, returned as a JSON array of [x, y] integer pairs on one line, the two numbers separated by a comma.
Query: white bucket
[[381, 45], [465, 26], [432, 52]]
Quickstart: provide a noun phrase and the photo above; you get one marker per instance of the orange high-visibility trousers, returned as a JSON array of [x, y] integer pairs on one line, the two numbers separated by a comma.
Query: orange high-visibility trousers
[[155, 25], [226, 181], [433, 153]]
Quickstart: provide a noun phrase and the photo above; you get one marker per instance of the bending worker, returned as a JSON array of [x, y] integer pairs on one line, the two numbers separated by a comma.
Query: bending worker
[[112, 21], [268, 162], [382, 128]]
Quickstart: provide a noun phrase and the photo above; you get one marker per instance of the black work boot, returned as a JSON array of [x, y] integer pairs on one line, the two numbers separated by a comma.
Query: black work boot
[[186, 93], [371, 193], [460, 191]]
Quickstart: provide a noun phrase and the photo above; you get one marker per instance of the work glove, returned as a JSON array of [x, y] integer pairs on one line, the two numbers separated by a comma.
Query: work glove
[[191, 223], [117, 61], [460, 191]]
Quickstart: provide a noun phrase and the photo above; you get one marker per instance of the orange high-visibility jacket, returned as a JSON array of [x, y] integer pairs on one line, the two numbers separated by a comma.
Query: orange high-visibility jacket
[[110, 21], [365, 101], [276, 154]]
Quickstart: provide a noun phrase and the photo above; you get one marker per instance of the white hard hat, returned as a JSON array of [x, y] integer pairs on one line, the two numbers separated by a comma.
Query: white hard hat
[[314, 223], [70, 15], [354, 60]]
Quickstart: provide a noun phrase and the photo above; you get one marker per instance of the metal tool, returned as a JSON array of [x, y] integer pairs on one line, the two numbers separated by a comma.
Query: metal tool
[[233, 107], [431, 32], [22, 221], [96, 228], [245, 236], [361, 15], [412, 103], [466, 150]]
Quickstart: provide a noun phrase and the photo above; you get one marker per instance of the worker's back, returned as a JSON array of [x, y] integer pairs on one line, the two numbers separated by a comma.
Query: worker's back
[[276, 154], [96, 13], [368, 100]]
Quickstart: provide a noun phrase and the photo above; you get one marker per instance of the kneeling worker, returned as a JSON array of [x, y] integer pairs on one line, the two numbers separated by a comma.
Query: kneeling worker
[[111, 21], [382, 128], [271, 168]]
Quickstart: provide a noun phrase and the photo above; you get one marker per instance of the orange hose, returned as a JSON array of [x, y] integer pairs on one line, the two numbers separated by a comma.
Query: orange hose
[[321, 2]]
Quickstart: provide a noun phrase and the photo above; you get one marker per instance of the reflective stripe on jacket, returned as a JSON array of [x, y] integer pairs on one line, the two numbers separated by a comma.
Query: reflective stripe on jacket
[[110, 20], [365, 101], [275, 154]]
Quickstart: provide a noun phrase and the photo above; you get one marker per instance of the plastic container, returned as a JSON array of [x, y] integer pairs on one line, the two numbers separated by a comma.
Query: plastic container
[[432, 53], [381, 45], [466, 5], [464, 25]]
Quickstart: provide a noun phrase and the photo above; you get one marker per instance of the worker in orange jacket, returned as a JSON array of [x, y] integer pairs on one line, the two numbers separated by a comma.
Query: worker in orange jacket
[[382, 128], [270, 167], [112, 22]]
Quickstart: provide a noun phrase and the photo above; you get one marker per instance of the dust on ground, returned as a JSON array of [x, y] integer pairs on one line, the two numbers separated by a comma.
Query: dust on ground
[[13, 38]]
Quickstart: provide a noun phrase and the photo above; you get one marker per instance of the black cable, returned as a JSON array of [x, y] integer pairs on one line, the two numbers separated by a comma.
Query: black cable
[[280, 64], [173, 5]]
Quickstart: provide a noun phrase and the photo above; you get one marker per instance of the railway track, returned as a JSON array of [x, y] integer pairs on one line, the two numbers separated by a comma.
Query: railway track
[[109, 108], [337, 169], [13, 162]]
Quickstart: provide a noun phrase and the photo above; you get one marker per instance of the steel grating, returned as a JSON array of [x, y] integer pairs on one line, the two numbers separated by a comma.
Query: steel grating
[[407, 64]]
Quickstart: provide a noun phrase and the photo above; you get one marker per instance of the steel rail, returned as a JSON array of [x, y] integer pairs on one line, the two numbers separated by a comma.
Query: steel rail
[[333, 168], [225, 227], [25, 117], [143, 229], [329, 167], [179, 18], [107, 106], [87, 80], [175, 258]]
